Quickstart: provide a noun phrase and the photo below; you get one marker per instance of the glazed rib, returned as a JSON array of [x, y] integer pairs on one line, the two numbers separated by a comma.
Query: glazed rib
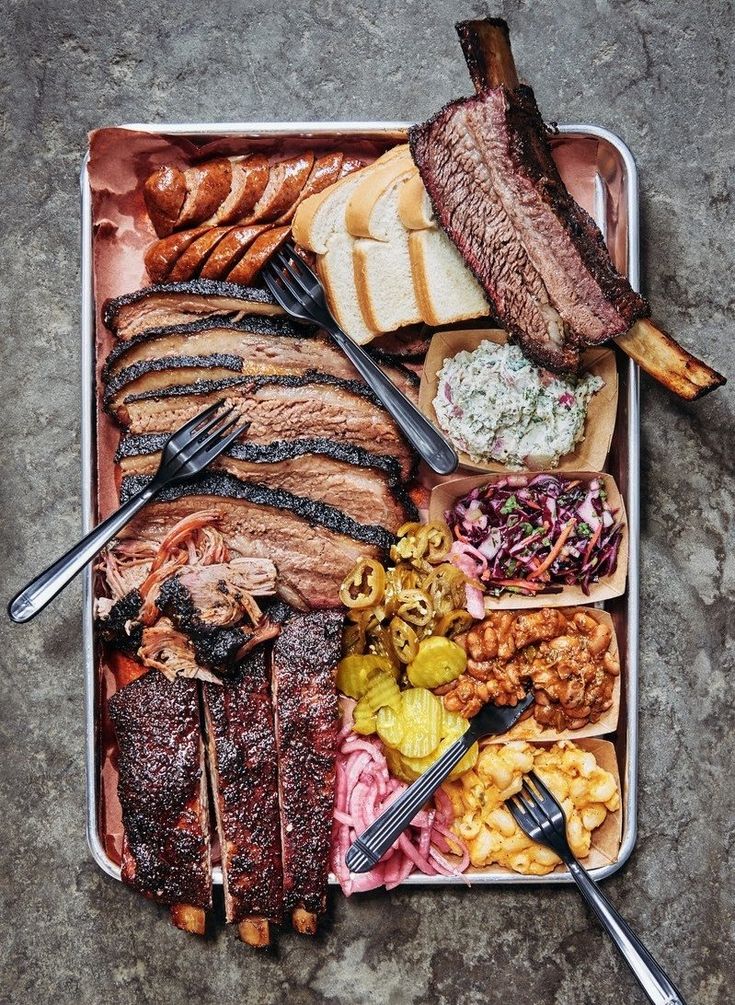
[[163, 794], [241, 750], [305, 699]]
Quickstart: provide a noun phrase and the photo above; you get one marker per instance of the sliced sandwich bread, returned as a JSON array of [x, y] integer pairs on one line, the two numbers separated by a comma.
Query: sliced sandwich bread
[[365, 213], [414, 205], [383, 275], [445, 288], [319, 227]]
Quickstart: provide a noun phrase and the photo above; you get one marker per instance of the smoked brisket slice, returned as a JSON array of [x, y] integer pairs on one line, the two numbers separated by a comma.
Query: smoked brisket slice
[[307, 720], [221, 353], [314, 405], [256, 334], [488, 169], [163, 792], [243, 767], [364, 486], [312, 559], [178, 303]]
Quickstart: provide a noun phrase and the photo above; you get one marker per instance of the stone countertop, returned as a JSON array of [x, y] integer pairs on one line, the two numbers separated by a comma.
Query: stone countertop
[[658, 75]]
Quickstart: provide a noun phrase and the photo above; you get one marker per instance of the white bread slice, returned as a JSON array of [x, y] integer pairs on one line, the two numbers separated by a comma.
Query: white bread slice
[[446, 290], [383, 273], [337, 273], [362, 218], [414, 205], [322, 214]]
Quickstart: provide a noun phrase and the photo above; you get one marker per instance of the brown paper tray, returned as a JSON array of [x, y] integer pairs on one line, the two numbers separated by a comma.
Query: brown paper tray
[[444, 495], [589, 454], [529, 729], [605, 840]]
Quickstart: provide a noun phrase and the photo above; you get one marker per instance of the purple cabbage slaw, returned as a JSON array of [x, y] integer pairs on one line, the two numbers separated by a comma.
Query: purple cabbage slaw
[[506, 530]]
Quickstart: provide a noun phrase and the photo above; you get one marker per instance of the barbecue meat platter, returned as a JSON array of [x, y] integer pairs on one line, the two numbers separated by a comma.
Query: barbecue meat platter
[[289, 640]]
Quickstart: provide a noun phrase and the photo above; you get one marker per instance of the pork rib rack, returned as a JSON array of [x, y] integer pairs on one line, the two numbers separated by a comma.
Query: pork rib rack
[[244, 773], [487, 166], [307, 715], [163, 793]]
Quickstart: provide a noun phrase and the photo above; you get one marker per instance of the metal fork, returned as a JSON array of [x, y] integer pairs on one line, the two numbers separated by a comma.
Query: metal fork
[[186, 453], [539, 815], [299, 292], [367, 850]]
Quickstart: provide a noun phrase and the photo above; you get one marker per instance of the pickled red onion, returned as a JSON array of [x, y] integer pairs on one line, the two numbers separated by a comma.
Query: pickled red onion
[[364, 788]]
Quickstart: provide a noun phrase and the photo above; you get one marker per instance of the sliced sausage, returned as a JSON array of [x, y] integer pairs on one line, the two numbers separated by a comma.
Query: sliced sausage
[[230, 250], [249, 179], [164, 193], [207, 186], [258, 254], [196, 255], [287, 178], [324, 172], [163, 255]]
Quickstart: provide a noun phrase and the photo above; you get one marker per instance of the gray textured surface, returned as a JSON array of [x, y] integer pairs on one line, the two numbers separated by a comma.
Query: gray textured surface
[[656, 73]]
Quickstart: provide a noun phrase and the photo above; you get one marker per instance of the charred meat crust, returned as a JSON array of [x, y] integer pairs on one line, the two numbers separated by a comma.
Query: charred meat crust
[[214, 361], [284, 450], [243, 768], [253, 383], [257, 324], [557, 358], [611, 305], [226, 486], [279, 450], [214, 648], [307, 715], [123, 615], [533, 152], [399, 361], [161, 790], [196, 287]]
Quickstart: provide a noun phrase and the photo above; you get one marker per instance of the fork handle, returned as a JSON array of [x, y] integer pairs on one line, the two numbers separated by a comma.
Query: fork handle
[[368, 849], [40, 591], [647, 971], [424, 437]]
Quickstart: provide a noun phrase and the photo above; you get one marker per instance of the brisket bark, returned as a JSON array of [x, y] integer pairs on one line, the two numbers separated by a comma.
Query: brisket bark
[[163, 790], [488, 169], [178, 303], [307, 716], [220, 352], [253, 523], [254, 334], [364, 486], [242, 756], [279, 408]]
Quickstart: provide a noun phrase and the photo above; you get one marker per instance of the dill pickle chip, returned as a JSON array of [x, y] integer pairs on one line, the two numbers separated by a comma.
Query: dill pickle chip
[[363, 718], [365, 727], [354, 672], [421, 712], [382, 690], [418, 765], [396, 765], [438, 661], [454, 724], [390, 726]]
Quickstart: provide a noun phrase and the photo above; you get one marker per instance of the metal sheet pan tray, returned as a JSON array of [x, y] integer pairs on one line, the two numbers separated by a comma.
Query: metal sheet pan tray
[[600, 171]]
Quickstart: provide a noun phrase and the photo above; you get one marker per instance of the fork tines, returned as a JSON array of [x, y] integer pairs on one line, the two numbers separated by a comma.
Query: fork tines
[[536, 810]]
